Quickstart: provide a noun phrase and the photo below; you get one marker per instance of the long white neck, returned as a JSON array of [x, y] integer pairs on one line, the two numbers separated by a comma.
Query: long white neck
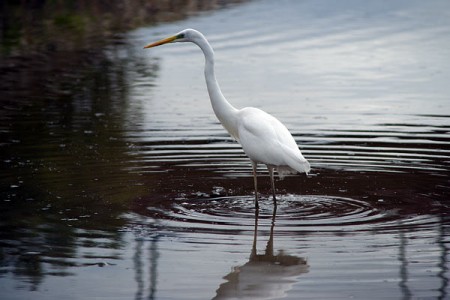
[[224, 111]]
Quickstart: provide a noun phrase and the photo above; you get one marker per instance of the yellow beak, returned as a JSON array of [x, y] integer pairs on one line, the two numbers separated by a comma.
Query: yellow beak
[[162, 42]]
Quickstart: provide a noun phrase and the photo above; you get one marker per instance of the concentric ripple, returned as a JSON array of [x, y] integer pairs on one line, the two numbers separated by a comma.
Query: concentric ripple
[[294, 213]]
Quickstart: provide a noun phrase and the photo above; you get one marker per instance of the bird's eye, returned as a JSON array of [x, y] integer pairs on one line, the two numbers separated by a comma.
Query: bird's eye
[[180, 36]]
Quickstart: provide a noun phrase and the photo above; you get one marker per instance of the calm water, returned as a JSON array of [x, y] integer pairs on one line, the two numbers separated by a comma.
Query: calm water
[[117, 181]]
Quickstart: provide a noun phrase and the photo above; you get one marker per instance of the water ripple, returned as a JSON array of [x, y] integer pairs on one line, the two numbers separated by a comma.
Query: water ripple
[[294, 215]]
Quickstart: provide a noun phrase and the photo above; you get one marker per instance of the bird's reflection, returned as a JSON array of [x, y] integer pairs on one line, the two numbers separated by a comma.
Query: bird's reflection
[[264, 276]]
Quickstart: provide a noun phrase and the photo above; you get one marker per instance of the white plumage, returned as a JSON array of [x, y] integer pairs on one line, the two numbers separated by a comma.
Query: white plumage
[[264, 139]]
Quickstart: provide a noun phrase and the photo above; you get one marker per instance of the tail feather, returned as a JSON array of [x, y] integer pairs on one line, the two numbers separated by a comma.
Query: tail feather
[[295, 163]]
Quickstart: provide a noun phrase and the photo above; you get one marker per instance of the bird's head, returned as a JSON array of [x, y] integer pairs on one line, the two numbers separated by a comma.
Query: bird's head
[[187, 35]]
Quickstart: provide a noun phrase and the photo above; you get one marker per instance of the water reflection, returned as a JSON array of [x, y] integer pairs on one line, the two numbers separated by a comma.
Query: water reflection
[[33, 252], [264, 276], [139, 259], [356, 230], [402, 256], [406, 249], [89, 136], [46, 27], [63, 179], [443, 262]]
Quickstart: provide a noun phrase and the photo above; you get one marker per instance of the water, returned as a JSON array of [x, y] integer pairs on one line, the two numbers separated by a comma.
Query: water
[[118, 181]]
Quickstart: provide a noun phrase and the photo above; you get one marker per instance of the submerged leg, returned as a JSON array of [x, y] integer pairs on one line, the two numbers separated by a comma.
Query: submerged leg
[[255, 180], [273, 185]]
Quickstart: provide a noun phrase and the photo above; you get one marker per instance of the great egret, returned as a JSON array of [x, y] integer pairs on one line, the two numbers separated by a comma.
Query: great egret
[[264, 139]]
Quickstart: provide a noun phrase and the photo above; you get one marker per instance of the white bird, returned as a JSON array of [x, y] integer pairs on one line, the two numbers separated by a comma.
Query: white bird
[[264, 139]]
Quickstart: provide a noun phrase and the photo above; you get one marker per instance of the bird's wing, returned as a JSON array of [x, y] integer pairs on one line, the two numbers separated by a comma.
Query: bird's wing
[[266, 140]]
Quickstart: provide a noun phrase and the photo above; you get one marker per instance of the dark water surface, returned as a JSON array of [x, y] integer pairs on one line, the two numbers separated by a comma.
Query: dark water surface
[[117, 181]]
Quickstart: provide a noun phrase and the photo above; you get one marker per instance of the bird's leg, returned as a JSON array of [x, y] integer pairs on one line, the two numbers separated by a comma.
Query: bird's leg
[[255, 180], [255, 236], [273, 185]]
